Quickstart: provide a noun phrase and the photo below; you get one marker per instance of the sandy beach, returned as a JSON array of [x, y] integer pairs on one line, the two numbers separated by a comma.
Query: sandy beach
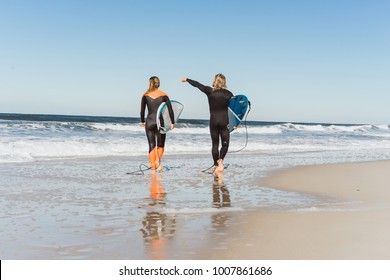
[[356, 227]]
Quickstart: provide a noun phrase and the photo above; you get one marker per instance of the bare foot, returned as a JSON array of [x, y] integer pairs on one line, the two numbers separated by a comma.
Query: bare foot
[[220, 165], [159, 166]]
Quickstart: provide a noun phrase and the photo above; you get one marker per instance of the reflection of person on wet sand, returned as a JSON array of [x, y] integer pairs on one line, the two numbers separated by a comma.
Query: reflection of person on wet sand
[[221, 196], [218, 177], [156, 190], [157, 227]]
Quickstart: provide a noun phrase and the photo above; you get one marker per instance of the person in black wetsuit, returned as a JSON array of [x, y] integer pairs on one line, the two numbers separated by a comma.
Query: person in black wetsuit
[[152, 99], [218, 97]]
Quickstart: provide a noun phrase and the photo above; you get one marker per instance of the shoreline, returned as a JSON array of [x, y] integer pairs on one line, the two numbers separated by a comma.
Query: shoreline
[[356, 228]]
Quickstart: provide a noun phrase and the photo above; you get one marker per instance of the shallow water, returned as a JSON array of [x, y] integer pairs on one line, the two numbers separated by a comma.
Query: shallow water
[[90, 208]]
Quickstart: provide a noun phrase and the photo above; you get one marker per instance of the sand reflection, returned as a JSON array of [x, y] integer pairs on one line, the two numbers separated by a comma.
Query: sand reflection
[[221, 196], [157, 228], [221, 199]]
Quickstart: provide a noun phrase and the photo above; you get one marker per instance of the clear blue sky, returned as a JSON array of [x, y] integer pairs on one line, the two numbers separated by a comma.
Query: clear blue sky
[[311, 61]]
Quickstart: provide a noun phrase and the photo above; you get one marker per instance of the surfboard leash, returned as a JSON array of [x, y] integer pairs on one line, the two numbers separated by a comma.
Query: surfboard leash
[[142, 171], [205, 171], [246, 132]]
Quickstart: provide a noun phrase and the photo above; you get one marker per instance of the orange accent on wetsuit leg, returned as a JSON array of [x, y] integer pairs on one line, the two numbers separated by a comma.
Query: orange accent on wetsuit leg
[[160, 152], [152, 158]]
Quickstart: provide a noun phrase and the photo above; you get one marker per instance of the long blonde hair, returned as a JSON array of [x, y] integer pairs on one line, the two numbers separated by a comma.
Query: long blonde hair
[[219, 82], [154, 83]]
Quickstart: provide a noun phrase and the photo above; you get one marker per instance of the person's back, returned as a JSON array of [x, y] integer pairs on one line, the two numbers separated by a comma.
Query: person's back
[[218, 97], [218, 105], [152, 99]]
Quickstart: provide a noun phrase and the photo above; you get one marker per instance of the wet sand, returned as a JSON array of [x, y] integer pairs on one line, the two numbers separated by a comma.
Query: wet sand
[[355, 227], [89, 209]]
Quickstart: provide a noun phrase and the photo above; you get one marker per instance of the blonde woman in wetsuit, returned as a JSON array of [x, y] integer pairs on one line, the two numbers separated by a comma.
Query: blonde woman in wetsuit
[[218, 97], [152, 99]]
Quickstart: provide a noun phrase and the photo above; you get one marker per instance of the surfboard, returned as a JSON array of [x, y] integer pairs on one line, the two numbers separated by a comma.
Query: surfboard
[[163, 120], [237, 110]]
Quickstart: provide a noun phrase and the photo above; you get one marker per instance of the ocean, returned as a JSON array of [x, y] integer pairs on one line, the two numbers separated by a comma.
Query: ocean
[[66, 194], [27, 138]]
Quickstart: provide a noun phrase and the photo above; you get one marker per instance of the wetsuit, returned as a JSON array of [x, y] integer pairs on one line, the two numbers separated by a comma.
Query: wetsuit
[[152, 132], [219, 120]]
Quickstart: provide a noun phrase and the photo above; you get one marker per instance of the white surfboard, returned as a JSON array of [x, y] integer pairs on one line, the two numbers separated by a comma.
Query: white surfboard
[[163, 120]]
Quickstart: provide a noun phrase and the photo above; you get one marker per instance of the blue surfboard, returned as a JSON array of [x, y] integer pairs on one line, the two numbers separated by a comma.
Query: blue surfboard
[[163, 120], [237, 110]]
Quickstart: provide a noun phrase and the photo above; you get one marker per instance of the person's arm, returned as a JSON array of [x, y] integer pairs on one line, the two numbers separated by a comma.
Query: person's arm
[[170, 110], [230, 95], [207, 90], [142, 113]]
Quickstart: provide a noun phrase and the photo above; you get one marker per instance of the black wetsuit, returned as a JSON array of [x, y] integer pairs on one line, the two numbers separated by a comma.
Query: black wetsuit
[[219, 120], [151, 126]]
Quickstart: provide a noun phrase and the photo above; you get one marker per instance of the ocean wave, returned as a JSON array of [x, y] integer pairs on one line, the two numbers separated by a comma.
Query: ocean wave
[[317, 128], [35, 148], [27, 140], [29, 150], [69, 126], [187, 127]]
